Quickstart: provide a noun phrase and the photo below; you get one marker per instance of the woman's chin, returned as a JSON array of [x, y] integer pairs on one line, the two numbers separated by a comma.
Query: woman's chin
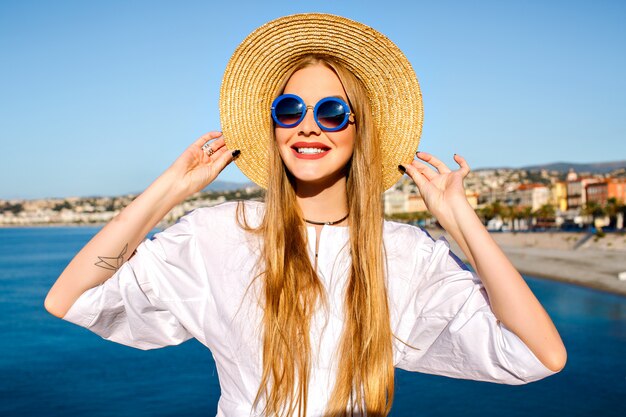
[[317, 178]]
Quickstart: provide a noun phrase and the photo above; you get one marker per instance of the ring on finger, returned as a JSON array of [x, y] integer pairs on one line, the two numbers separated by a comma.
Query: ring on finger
[[207, 148]]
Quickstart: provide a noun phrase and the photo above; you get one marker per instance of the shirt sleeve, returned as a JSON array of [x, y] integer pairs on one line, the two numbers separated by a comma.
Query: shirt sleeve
[[128, 308], [455, 332]]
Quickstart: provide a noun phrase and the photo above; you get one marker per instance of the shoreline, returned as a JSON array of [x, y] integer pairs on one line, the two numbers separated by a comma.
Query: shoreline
[[579, 259], [574, 258], [48, 225], [590, 285], [59, 225]]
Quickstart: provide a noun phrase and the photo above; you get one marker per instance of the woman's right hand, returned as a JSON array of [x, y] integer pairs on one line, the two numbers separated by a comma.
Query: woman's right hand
[[195, 169]]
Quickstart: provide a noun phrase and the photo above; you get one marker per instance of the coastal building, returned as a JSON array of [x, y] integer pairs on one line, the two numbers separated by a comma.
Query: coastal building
[[493, 195], [597, 192], [90, 210], [603, 190], [577, 190], [395, 201], [415, 203], [574, 191], [532, 195], [472, 198], [559, 196], [616, 188], [404, 197]]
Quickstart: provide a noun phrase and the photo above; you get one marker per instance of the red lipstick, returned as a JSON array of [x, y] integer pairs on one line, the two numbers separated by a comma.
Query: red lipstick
[[325, 149]]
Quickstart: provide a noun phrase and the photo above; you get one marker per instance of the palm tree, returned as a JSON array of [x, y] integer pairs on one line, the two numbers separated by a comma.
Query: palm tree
[[593, 210], [490, 211], [612, 208], [545, 215], [526, 213], [504, 212]]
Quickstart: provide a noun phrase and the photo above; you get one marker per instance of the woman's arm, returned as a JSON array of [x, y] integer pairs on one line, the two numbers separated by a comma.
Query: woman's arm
[[511, 300], [98, 260]]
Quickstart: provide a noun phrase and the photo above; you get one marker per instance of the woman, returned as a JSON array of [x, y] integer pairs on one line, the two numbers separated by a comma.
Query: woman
[[310, 300]]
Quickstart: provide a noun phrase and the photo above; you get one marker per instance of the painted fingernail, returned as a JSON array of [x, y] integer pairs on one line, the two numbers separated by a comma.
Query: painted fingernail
[[236, 153], [401, 168]]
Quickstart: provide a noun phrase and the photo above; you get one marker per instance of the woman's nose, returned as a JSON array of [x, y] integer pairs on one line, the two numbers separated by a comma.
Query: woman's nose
[[308, 125]]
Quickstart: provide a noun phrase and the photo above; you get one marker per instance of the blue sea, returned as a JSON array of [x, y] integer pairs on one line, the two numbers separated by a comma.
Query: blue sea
[[49, 367]]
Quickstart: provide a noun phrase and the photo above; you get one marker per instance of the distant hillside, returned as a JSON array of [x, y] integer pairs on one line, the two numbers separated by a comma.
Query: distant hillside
[[222, 186], [594, 168], [215, 186], [228, 186]]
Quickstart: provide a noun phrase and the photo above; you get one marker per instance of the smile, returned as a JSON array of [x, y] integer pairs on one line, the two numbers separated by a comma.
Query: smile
[[309, 150], [303, 150]]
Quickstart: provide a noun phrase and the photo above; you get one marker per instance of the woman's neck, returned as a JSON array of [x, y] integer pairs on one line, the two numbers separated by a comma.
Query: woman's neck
[[323, 203]]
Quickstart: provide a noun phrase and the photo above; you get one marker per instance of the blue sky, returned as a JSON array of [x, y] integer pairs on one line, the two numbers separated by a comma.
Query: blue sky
[[99, 98]]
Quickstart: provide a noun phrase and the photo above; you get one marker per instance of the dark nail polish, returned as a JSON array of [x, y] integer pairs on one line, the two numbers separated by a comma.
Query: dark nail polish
[[236, 153], [401, 168]]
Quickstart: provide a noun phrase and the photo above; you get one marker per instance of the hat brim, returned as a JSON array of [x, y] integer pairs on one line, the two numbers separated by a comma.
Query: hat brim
[[260, 62]]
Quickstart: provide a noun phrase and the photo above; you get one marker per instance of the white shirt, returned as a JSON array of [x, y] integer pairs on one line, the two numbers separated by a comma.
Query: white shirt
[[195, 279]]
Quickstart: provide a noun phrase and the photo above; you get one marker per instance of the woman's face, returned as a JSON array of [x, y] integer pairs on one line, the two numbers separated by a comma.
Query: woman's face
[[313, 84]]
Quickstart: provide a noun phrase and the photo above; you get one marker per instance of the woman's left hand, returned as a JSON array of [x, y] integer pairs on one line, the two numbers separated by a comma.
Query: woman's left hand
[[441, 188]]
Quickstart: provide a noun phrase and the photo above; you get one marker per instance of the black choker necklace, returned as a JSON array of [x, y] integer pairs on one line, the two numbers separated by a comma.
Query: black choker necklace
[[327, 223]]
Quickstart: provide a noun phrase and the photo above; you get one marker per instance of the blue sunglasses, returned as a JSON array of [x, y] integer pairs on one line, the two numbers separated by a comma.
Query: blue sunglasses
[[330, 113]]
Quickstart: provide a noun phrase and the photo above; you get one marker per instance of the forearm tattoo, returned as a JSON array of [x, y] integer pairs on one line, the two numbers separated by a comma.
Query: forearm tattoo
[[112, 263]]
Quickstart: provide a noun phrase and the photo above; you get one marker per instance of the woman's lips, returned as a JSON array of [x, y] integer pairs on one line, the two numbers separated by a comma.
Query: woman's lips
[[310, 145], [309, 155]]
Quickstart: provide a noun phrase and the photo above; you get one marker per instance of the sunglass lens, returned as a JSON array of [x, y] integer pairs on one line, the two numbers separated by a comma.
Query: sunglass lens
[[331, 114], [288, 111]]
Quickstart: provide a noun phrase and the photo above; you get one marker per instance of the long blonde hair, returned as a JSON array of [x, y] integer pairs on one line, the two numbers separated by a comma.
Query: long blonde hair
[[292, 290]]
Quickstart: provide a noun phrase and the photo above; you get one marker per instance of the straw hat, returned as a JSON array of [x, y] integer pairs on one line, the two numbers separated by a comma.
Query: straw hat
[[257, 66]]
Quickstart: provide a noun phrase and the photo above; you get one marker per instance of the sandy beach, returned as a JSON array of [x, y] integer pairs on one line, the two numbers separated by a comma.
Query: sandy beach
[[576, 258]]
